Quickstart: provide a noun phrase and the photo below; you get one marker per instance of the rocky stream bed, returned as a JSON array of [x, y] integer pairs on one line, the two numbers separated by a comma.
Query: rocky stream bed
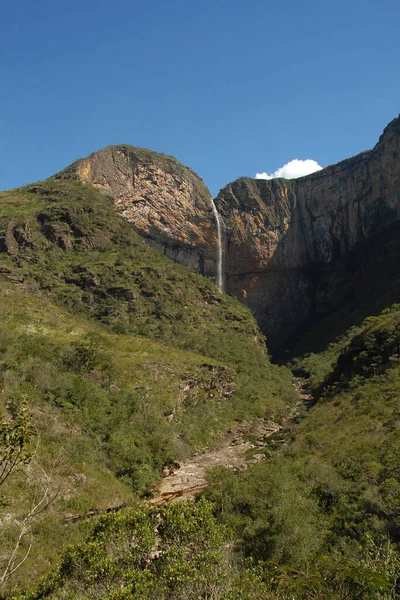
[[233, 452]]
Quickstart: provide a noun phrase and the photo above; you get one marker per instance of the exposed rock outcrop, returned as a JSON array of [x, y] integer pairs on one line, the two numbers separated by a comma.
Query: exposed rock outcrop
[[293, 249], [15, 236], [287, 242], [167, 203]]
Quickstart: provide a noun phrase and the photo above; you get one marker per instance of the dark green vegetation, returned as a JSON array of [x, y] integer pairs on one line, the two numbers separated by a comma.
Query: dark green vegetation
[[173, 552], [128, 361], [327, 503], [319, 519]]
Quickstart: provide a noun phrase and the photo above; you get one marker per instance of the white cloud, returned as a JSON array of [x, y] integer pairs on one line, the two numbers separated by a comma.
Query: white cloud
[[293, 169]]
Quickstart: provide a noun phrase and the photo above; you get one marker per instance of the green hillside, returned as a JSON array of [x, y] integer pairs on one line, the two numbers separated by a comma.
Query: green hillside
[[325, 507], [127, 361], [319, 519]]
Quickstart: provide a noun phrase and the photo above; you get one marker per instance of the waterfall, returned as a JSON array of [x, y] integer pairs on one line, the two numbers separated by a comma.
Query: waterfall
[[220, 277]]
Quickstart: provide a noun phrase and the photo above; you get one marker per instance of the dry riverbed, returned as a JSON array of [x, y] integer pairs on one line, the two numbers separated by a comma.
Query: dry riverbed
[[189, 479]]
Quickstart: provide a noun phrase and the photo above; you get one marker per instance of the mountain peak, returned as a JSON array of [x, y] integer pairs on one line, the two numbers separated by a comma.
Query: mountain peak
[[167, 203]]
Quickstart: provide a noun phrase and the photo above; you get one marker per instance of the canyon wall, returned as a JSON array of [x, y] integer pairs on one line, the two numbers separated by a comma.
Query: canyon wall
[[167, 203], [293, 250], [288, 243]]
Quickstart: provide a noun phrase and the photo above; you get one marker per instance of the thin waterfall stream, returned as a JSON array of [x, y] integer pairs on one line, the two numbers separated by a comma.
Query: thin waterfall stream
[[220, 277]]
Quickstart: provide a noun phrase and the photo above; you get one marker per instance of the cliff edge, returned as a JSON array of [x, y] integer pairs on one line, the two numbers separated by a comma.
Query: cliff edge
[[297, 249], [167, 203], [293, 250]]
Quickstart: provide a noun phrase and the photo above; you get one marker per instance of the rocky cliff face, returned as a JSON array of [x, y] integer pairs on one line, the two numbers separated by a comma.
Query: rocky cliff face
[[167, 203], [293, 250], [288, 243]]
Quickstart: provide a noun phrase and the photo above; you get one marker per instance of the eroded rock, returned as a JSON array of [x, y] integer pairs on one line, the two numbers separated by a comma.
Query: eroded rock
[[293, 250], [288, 242], [167, 203]]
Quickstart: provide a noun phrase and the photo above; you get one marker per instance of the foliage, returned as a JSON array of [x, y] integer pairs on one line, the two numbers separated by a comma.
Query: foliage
[[130, 361], [181, 551], [336, 578], [324, 508], [15, 434], [133, 362], [173, 552], [271, 511]]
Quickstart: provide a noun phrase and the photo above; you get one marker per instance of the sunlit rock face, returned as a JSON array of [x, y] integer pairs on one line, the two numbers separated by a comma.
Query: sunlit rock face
[[293, 250], [167, 203], [288, 243]]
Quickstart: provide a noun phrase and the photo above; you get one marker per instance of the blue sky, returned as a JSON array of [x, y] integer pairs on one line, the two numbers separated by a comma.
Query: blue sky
[[229, 87]]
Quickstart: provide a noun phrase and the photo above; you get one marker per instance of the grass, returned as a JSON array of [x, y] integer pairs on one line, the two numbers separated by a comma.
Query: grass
[[129, 361], [332, 492]]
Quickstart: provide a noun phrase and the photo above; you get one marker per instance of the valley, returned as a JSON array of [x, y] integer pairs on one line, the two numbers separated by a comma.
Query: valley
[[138, 320], [235, 451]]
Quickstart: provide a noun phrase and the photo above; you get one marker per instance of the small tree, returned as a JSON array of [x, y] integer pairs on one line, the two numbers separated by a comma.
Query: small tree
[[16, 434]]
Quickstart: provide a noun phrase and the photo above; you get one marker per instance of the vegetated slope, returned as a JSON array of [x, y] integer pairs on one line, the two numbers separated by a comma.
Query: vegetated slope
[[177, 551], [129, 362], [318, 519], [166, 202], [326, 504], [40, 361]]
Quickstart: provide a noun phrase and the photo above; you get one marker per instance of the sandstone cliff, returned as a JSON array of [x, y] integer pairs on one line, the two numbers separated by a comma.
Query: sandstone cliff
[[167, 203], [291, 245], [293, 250]]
